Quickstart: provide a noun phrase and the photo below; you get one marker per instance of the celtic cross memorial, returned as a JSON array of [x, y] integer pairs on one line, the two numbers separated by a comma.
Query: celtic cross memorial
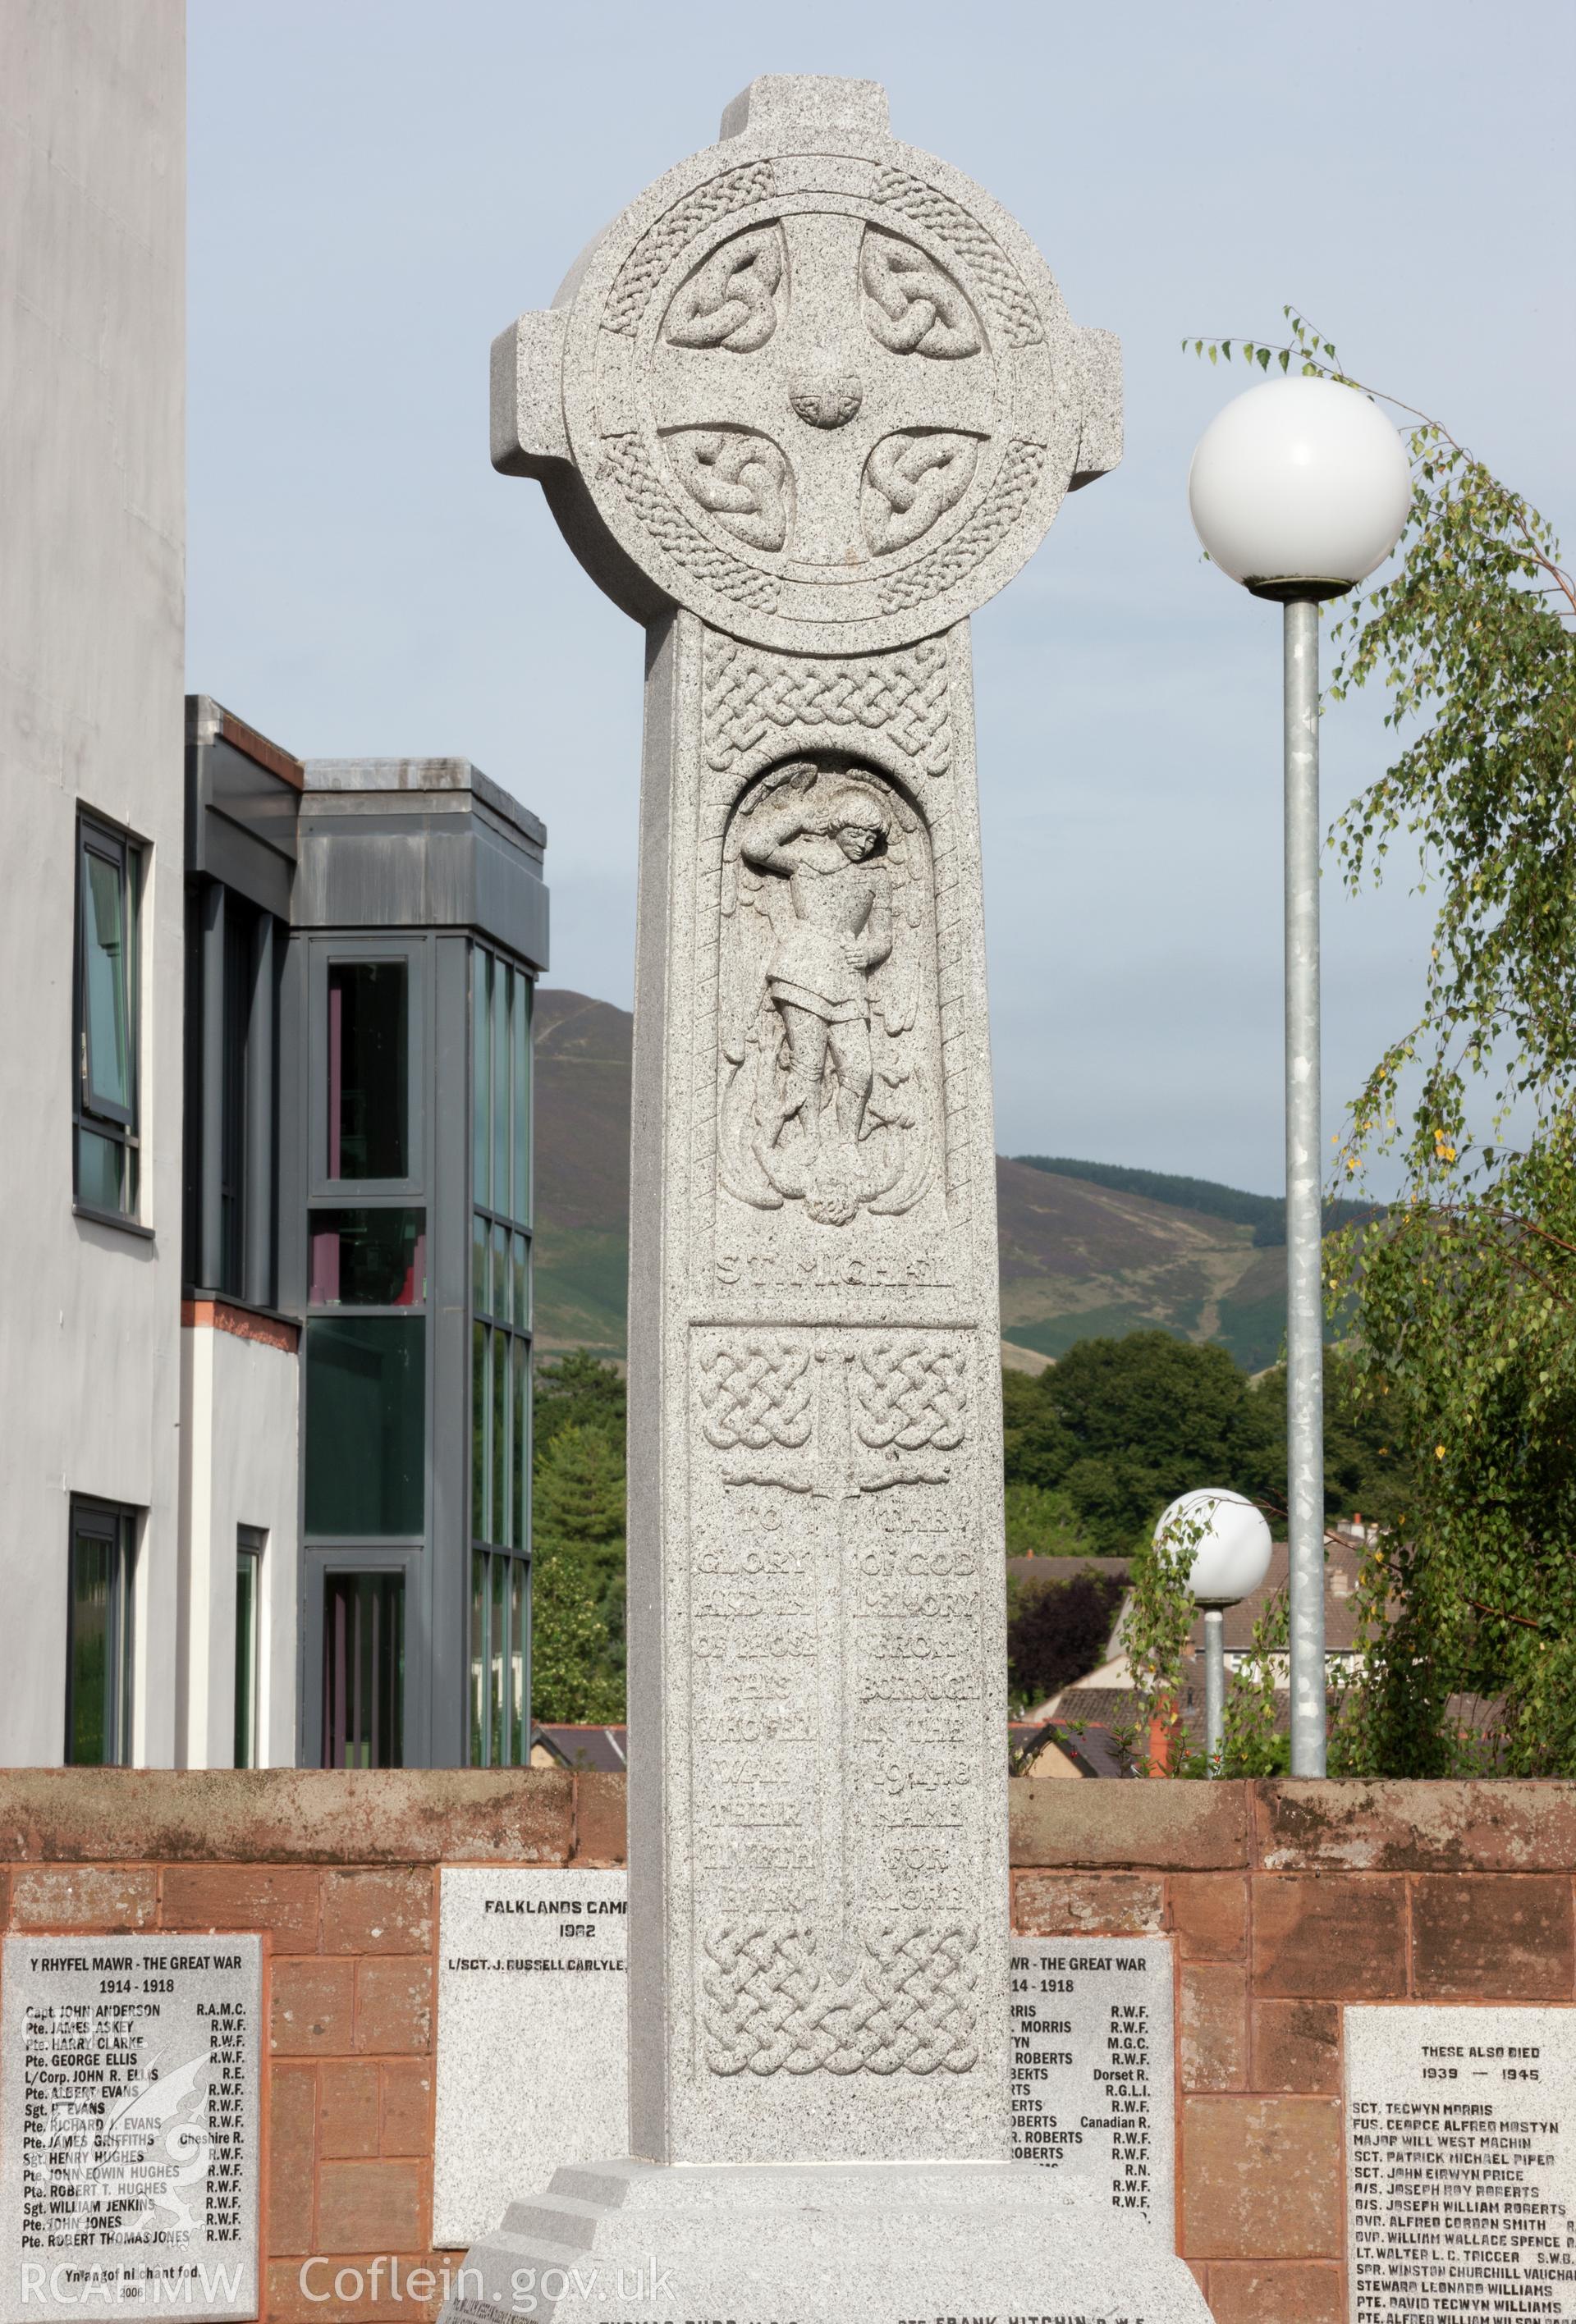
[[801, 410]]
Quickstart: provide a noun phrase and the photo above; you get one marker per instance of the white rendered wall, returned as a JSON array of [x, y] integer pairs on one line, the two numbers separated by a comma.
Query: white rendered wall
[[92, 393], [239, 1403]]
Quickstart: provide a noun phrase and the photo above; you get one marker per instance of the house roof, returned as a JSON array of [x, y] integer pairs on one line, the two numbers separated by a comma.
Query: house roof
[[1343, 1560], [1067, 1569], [604, 1750]]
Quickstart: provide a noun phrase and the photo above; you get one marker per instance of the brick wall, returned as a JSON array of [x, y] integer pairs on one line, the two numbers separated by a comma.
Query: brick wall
[[1285, 1900]]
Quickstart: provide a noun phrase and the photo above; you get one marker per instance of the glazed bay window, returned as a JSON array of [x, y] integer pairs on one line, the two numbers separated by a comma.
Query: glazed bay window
[[108, 879], [500, 1402], [99, 1636], [367, 1386]]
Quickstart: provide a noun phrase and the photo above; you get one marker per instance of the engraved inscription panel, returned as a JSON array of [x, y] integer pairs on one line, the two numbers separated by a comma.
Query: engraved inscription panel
[[837, 1641], [130, 2070], [1460, 2149]]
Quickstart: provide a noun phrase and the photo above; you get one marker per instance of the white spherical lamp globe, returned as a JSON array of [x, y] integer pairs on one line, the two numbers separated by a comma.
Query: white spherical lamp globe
[[1300, 488], [1230, 1544]]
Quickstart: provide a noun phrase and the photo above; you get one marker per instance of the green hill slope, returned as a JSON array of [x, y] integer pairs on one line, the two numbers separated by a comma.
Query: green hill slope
[[1082, 1256]]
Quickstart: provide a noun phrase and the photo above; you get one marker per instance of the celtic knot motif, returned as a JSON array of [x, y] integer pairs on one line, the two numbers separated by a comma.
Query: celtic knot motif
[[908, 1394], [996, 514], [907, 2008], [749, 693], [1015, 310], [914, 308], [625, 460], [741, 480], [729, 301], [655, 251], [758, 1393], [912, 479]]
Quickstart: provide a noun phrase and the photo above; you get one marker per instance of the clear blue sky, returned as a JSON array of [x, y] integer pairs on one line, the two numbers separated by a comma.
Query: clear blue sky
[[378, 186]]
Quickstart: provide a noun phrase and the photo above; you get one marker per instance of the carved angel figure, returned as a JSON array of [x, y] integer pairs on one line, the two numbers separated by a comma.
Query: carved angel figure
[[811, 1112]]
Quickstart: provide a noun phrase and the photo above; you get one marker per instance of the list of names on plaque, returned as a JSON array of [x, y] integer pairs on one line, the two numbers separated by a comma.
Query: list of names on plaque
[[1092, 2069], [129, 2081], [1461, 2163]]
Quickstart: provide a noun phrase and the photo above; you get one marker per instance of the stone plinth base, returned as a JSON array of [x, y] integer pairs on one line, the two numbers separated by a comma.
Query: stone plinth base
[[898, 2243]]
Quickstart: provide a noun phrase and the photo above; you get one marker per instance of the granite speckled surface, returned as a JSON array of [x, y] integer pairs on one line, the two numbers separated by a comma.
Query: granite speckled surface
[[852, 2244], [800, 409]]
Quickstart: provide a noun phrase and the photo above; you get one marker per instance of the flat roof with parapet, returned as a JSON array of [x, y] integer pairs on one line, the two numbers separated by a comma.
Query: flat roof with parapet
[[425, 775]]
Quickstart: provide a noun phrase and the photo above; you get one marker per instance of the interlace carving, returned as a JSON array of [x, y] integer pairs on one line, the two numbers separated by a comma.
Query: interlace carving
[[658, 248], [912, 479], [909, 1396], [914, 309], [927, 207], [757, 1393], [902, 695], [741, 480], [730, 300], [996, 514], [907, 2007], [624, 458]]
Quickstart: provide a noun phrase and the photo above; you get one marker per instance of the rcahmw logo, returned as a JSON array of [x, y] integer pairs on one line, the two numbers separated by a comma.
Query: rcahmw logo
[[203, 2285]]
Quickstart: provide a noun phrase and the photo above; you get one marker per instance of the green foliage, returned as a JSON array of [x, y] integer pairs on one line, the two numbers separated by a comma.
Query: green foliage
[[578, 1528], [1464, 1295], [1249, 1745], [1041, 1523], [1365, 1474], [570, 1682], [578, 1390], [1057, 1631], [1161, 1612], [1120, 1426]]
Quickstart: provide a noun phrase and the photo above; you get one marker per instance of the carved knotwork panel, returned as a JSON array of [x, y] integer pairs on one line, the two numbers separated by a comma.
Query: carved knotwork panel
[[825, 369], [837, 1622]]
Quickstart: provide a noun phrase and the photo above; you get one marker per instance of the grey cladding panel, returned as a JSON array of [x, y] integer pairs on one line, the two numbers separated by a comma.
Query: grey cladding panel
[[365, 873]]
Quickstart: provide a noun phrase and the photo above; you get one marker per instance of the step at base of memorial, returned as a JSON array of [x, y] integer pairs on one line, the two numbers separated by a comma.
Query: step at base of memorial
[[865, 2242]]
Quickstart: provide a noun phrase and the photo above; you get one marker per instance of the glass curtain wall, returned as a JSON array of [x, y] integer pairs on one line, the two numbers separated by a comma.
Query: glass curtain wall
[[500, 1466], [366, 1355]]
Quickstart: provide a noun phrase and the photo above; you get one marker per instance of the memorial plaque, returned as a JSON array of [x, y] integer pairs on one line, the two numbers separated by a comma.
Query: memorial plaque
[[532, 2036], [1092, 2069], [1460, 2150], [129, 2076]]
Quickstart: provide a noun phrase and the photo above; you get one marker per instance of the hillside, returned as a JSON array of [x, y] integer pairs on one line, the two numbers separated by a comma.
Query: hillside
[[1078, 1259]]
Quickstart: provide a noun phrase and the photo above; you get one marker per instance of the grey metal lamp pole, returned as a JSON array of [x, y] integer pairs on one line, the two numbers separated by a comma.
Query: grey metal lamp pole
[[1299, 488], [1304, 1201], [1214, 1686]]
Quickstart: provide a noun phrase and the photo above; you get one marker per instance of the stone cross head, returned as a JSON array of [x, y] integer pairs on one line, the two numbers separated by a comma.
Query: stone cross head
[[814, 385]]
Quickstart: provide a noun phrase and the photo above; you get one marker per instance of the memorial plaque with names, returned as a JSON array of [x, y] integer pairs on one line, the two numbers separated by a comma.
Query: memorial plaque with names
[[1460, 2150], [129, 2078], [1092, 2069], [532, 2036]]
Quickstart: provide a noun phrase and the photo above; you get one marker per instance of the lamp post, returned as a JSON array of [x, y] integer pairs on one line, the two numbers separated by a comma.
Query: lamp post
[[1228, 1543], [1299, 488]]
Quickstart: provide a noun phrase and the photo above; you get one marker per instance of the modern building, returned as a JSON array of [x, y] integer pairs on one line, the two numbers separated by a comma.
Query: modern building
[[265, 1076], [362, 941]]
